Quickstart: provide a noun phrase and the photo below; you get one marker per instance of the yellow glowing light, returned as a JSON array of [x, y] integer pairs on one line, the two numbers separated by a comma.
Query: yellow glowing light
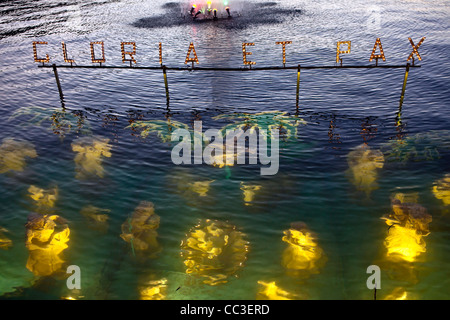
[[188, 58], [36, 59], [214, 250], [43, 198], [441, 189], [303, 256], [246, 53], [95, 214], [200, 187], [249, 192], [270, 291], [141, 229], [284, 43], [13, 153], [154, 290], [64, 49], [339, 51], [90, 151], [95, 60], [415, 51], [381, 54], [131, 54], [46, 239], [397, 294], [5, 243], [160, 54], [404, 243], [363, 165]]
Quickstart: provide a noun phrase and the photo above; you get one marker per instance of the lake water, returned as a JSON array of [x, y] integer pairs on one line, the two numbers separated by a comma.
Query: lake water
[[341, 109]]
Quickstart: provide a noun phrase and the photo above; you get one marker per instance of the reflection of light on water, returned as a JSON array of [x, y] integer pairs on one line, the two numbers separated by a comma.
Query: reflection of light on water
[[5, 243], [249, 192], [154, 290], [441, 189], [43, 198], [13, 153], [214, 250], [270, 291]]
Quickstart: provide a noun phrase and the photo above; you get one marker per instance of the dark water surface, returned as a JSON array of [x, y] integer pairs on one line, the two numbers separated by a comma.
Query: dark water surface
[[342, 109]]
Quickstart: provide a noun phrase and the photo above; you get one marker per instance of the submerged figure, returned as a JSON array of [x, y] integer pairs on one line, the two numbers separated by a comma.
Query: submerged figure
[[408, 225], [154, 290], [97, 217], [214, 250], [441, 189], [270, 291], [13, 153], [249, 192], [5, 243], [89, 158], [46, 239], [43, 198], [140, 229], [303, 256], [363, 165]]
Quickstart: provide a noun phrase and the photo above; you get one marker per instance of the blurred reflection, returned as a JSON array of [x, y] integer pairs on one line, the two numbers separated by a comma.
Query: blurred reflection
[[5, 243], [363, 165], [270, 291], [249, 192], [303, 257], [333, 137], [44, 199], [13, 153], [441, 189], [214, 250], [368, 130], [90, 151], [46, 239], [97, 217], [162, 128], [153, 290], [140, 229], [398, 294]]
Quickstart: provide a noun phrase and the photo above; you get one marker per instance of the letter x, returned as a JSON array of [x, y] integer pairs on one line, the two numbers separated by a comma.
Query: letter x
[[415, 49]]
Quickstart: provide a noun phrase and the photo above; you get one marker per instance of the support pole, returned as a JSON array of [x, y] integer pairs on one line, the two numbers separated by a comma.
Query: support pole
[[166, 84], [405, 79], [298, 88], [58, 83]]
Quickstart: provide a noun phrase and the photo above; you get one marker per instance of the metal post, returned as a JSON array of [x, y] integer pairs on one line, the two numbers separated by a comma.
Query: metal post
[[405, 79], [58, 83], [166, 84], [298, 88]]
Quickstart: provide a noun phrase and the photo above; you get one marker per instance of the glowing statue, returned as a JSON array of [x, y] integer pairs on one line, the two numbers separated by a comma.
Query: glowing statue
[[363, 165], [46, 239], [303, 256], [43, 198], [441, 189], [163, 128], [249, 192], [214, 250], [408, 224], [270, 291], [200, 187], [5, 243], [13, 153], [140, 229], [154, 290], [90, 152], [97, 217]]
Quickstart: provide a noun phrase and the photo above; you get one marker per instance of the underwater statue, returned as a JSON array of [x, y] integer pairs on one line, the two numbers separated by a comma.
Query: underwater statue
[[214, 251], [408, 225], [13, 154], [90, 152], [363, 165], [97, 217], [249, 192], [441, 189], [303, 256], [140, 230], [270, 291], [5, 243], [153, 290], [46, 239], [44, 199]]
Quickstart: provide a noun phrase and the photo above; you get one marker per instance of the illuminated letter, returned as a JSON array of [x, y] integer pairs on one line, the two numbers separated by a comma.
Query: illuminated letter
[[246, 53], [94, 60], [36, 59], [377, 56], [415, 49], [65, 54], [74, 281], [374, 281], [160, 53], [339, 51], [188, 58], [131, 54], [284, 43]]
